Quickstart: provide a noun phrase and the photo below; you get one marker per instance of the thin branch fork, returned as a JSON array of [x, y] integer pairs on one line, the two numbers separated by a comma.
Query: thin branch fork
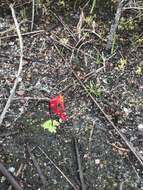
[[18, 79]]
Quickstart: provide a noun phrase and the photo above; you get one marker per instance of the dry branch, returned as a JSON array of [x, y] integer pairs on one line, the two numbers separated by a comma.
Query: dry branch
[[33, 14], [114, 25], [43, 179], [79, 165], [9, 177], [18, 79], [53, 163], [23, 34], [17, 174], [29, 98]]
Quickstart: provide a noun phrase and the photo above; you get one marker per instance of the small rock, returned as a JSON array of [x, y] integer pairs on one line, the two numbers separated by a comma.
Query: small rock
[[126, 111], [97, 161], [20, 92], [11, 169], [11, 43], [2, 179], [140, 127]]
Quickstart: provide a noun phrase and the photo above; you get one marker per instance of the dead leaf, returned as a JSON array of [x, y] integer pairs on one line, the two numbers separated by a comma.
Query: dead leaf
[[80, 24]]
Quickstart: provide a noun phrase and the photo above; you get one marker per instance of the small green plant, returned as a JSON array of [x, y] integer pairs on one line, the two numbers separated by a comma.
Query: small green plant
[[42, 7], [138, 70], [127, 24], [98, 58], [64, 41], [56, 105], [121, 63], [61, 3], [51, 125], [88, 20], [137, 40], [23, 13], [39, 4], [94, 89]]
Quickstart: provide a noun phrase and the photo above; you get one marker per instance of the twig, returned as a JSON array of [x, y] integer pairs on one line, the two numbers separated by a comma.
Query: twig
[[114, 26], [135, 170], [43, 179], [121, 184], [93, 6], [136, 154], [80, 24], [71, 48], [33, 14], [18, 79], [134, 5], [95, 33], [119, 148], [28, 98], [67, 179], [9, 177], [17, 174], [136, 8], [65, 26], [8, 30], [23, 34], [8, 134], [79, 165], [90, 139]]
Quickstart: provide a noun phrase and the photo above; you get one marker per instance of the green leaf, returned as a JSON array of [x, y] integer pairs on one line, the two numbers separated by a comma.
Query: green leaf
[[50, 125]]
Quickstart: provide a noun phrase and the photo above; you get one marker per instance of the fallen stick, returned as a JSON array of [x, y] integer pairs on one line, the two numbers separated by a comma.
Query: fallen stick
[[114, 25], [18, 79], [67, 179], [33, 14], [23, 34], [17, 174], [79, 165], [43, 179], [28, 98], [30, 33], [9, 177]]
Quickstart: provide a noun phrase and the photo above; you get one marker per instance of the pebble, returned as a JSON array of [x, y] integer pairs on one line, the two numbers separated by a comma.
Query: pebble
[[140, 127], [97, 161], [11, 169]]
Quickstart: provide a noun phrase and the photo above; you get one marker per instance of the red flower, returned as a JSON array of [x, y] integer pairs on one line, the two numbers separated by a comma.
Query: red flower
[[57, 106]]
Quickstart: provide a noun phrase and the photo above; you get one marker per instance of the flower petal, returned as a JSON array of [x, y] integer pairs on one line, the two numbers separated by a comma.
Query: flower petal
[[57, 106]]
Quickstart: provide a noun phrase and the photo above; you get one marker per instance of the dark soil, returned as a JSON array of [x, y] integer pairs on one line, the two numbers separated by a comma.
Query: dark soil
[[107, 163]]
